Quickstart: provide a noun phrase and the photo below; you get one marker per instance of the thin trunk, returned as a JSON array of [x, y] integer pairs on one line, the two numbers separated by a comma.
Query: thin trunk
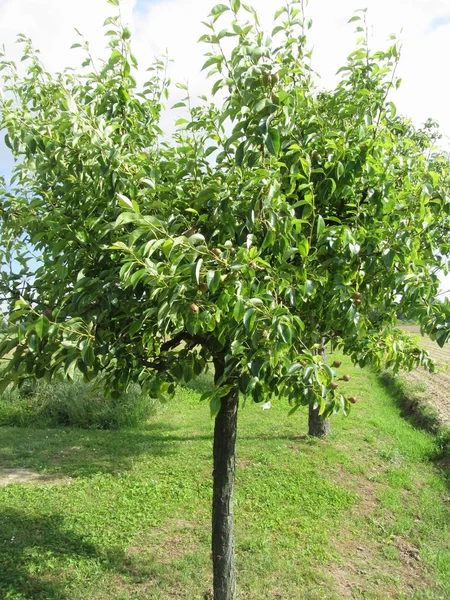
[[225, 430], [317, 425]]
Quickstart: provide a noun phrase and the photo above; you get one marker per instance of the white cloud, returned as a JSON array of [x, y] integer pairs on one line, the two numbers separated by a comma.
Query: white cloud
[[176, 25]]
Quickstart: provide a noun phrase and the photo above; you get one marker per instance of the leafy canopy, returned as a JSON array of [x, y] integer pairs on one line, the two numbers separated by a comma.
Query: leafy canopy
[[268, 222]]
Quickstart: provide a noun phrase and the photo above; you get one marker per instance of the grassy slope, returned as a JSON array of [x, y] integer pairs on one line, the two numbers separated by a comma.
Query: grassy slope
[[364, 514]]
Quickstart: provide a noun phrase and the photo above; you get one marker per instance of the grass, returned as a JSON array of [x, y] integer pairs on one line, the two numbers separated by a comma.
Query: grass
[[364, 514], [412, 397]]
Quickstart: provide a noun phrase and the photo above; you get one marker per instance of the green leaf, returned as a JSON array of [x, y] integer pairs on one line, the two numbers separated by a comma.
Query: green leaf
[[214, 406], [198, 267], [238, 311], [137, 276], [218, 10], [213, 280], [87, 354], [249, 319], [273, 141], [70, 366], [120, 246], [214, 60], [285, 332], [307, 374], [303, 247], [320, 226], [41, 326], [134, 327], [280, 12], [269, 239], [309, 287], [115, 57], [240, 153], [235, 5], [306, 166]]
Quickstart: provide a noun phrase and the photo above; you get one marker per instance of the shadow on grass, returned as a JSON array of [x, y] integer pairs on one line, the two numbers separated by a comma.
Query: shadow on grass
[[24, 539], [77, 452]]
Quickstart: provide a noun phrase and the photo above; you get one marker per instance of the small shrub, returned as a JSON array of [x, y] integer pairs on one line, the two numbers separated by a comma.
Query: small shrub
[[77, 404]]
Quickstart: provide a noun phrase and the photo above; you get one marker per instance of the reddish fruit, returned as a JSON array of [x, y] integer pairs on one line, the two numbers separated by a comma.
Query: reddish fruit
[[357, 295], [203, 287], [303, 363], [346, 377], [333, 385], [194, 308], [217, 251], [336, 364], [232, 250], [358, 301], [352, 399]]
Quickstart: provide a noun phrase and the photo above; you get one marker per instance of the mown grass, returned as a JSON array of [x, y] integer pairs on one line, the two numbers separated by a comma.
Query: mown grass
[[364, 514]]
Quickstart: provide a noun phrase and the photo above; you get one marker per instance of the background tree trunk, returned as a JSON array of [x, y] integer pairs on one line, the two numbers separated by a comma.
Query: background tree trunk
[[223, 556], [317, 425]]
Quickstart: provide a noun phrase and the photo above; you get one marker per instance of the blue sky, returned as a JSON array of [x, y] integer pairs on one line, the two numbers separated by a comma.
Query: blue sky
[[439, 21], [144, 5]]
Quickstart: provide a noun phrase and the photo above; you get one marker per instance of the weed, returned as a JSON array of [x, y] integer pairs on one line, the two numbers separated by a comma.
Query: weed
[[76, 404]]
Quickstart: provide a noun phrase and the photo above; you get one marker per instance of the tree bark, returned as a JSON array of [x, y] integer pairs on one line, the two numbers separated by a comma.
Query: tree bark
[[317, 425], [223, 555]]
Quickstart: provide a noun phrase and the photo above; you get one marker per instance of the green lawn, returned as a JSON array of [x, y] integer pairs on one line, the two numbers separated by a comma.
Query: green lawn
[[365, 514]]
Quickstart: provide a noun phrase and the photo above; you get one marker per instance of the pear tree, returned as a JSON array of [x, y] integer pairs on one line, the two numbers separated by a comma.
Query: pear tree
[[272, 221]]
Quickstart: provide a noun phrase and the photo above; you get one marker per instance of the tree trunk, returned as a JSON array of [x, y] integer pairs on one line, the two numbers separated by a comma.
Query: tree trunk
[[223, 493], [317, 425]]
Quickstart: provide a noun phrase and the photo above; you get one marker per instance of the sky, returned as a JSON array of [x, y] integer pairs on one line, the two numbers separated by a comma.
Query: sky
[[175, 26]]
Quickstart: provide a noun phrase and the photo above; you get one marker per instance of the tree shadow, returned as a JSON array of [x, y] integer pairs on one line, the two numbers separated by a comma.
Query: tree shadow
[[78, 452], [23, 538]]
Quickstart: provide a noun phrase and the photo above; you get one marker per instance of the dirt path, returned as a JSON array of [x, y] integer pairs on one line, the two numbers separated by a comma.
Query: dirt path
[[10, 476]]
